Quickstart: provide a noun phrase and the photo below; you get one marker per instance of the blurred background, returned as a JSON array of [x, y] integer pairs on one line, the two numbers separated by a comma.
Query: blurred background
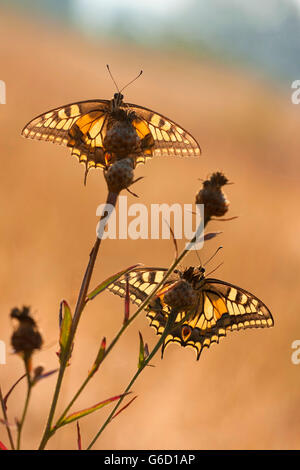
[[223, 70]]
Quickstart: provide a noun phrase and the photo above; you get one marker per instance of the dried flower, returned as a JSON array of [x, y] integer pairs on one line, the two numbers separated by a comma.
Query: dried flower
[[180, 296], [38, 371], [212, 196], [121, 139], [26, 336], [119, 175]]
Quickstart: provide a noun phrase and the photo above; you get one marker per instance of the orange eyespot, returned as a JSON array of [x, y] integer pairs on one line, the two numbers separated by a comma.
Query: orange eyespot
[[108, 158], [186, 332]]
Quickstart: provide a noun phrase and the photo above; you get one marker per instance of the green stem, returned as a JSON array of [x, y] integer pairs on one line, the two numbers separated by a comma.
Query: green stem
[[111, 199], [121, 331], [28, 394], [81, 388], [12, 445], [170, 321], [123, 328]]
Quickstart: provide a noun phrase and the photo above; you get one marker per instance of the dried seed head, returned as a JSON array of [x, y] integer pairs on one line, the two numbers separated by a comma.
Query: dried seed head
[[122, 139], [212, 196], [26, 336], [119, 175], [181, 296], [38, 372], [217, 179]]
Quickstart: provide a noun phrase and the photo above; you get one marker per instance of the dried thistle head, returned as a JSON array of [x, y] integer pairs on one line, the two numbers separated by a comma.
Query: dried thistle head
[[180, 296], [26, 337], [121, 139], [119, 175], [212, 196]]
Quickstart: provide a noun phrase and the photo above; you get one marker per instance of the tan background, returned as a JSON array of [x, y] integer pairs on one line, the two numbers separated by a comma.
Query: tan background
[[244, 392]]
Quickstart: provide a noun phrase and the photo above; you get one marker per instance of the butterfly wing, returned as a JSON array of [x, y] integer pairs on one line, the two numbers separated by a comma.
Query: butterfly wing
[[83, 125], [80, 125], [221, 307], [169, 138], [141, 283]]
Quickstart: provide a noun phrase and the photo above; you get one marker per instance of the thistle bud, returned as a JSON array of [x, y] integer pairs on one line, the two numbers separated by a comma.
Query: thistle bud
[[212, 196], [37, 372], [119, 175]]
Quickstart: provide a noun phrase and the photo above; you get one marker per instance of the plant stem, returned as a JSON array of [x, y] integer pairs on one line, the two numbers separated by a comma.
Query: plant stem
[[84, 384], [123, 328], [12, 445], [170, 321], [28, 394], [111, 199], [161, 340]]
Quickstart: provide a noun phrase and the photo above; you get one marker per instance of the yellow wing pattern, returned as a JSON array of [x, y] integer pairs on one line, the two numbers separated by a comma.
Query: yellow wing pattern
[[81, 126], [170, 139]]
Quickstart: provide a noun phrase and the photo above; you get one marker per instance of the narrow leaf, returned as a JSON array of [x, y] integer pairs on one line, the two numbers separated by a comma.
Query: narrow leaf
[[4, 408], [227, 219], [99, 358], [101, 287], [11, 389], [124, 407], [65, 328], [173, 237], [79, 443], [141, 352], [80, 414], [43, 376], [146, 350], [210, 235], [127, 301], [2, 446], [60, 314]]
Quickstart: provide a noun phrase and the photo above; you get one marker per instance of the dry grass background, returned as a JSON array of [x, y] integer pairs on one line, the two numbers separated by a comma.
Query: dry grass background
[[244, 392]]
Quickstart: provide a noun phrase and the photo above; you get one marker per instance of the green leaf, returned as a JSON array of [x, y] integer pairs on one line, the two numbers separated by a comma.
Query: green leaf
[[141, 352], [101, 287], [99, 358], [80, 414], [65, 327]]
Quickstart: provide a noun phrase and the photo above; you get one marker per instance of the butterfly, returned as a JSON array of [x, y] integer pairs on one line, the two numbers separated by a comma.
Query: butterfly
[[100, 132], [216, 308]]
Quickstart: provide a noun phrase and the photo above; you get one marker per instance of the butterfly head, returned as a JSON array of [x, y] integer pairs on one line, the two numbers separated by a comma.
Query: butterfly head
[[117, 101], [193, 275], [201, 270]]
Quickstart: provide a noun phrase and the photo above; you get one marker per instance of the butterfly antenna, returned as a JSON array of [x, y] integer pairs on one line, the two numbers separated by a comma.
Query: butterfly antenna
[[111, 76], [173, 238], [209, 259], [208, 274], [131, 81], [199, 259]]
